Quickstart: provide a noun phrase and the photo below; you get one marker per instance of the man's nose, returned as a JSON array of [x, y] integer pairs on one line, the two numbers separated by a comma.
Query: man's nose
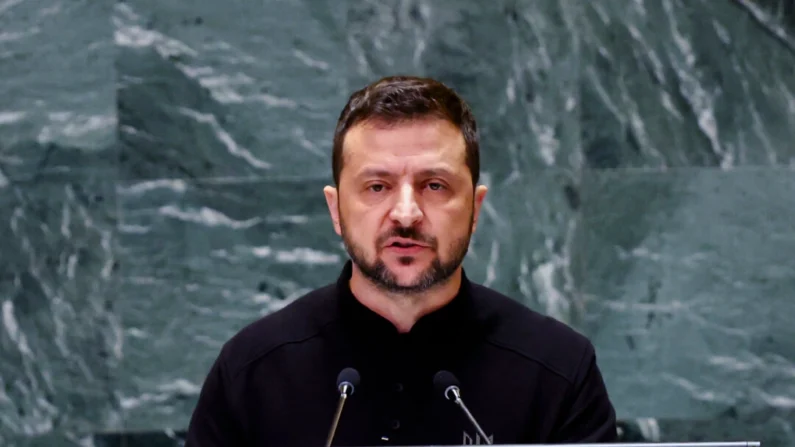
[[406, 210]]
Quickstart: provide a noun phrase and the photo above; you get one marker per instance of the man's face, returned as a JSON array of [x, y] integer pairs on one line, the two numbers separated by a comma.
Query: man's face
[[405, 207]]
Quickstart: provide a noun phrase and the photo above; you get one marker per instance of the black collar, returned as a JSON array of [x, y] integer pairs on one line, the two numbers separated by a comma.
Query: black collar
[[442, 339], [454, 320]]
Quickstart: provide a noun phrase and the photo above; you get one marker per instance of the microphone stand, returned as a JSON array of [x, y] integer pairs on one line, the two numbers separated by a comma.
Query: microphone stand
[[460, 402], [345, 389]]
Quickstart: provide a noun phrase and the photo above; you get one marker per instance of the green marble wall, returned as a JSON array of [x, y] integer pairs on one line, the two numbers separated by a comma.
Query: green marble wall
[[161, 167]]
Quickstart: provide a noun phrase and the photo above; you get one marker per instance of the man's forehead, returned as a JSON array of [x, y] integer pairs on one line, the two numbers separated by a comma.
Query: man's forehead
[[430, 164], [419, 126], [385, 170], [429, 142]]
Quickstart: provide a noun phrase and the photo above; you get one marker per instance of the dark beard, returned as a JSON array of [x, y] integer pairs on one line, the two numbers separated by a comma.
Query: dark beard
[[378, 273]]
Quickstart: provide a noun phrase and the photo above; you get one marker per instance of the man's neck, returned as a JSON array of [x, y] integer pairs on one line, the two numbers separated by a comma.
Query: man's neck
[[403, 311]]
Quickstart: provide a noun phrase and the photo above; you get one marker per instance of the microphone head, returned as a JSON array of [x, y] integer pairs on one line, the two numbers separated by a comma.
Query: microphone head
[[444, 382], [350, 377]]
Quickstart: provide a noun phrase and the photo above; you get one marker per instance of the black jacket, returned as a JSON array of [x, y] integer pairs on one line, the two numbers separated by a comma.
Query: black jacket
[[525, 377]]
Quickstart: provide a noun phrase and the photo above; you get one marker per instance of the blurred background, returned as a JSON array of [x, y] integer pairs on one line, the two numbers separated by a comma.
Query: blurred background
[[161, 167]]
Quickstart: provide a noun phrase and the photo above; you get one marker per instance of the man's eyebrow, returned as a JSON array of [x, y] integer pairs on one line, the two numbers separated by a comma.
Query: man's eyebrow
[[374, 172], [438, 171]]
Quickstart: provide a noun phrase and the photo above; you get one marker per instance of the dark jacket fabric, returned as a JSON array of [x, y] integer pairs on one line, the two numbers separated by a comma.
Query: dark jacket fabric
[[525, 377]]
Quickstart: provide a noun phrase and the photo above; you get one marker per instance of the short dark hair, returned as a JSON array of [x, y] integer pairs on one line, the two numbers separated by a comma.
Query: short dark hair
[[396, 99]]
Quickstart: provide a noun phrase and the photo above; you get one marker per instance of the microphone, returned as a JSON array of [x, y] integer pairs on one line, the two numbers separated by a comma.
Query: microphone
[[447, 384], [347, 381]]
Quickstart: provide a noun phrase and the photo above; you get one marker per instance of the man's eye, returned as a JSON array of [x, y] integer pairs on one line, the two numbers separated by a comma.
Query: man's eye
[[435, 186], [376, 188]]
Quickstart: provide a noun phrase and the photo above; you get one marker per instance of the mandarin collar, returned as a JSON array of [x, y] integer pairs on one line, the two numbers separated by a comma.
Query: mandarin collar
[[453, 320]]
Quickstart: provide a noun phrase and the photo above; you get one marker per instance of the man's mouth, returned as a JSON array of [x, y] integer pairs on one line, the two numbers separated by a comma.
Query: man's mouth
[[406, 246]]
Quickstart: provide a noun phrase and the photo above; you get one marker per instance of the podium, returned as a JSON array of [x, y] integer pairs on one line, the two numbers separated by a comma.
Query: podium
[[632, 444], [660, 444], [638, 444], [177, 438]]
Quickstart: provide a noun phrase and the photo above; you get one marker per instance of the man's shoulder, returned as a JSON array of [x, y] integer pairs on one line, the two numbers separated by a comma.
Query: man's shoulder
[[514, 327], [302, 319]]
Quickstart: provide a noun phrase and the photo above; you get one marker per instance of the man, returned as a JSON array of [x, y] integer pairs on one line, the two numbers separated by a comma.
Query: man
[[406, 201]]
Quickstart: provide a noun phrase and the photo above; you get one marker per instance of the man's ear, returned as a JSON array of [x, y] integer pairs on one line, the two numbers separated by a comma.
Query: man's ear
[[480, 195], [332, 200]]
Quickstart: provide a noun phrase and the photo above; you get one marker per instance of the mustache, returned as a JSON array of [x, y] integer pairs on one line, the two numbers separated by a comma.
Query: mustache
[[408, 233]]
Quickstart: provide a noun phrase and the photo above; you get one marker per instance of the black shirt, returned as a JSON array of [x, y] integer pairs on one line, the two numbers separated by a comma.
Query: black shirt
[[525, 377]]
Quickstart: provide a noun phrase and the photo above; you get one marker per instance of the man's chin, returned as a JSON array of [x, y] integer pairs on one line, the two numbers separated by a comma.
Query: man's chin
[[404, 273], [406, 266], [407, 279]]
